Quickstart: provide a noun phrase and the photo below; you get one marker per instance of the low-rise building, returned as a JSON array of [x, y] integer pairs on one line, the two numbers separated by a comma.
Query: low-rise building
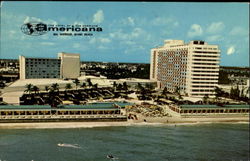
[[133, 82]]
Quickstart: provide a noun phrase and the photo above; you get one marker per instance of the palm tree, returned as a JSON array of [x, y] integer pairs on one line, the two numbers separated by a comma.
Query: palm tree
[[125, 86], [68, 86], [46, 88], [53, 95], [119, 87], [83, 85], [36, 89], [165, 91], [114, 84], [77, 82], [95, 86], [89, 82], [177, 90], [29, 88], [149, 86], [205, 98], [55, 87], [242, 92], [139, 87], [218, 92]]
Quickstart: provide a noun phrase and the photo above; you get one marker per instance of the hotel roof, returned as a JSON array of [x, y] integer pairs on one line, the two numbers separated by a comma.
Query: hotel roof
[[92, 106], [214, 107]]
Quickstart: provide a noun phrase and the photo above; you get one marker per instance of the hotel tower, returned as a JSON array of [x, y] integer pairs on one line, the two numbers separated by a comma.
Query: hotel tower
[[191, 68], [67, 65]]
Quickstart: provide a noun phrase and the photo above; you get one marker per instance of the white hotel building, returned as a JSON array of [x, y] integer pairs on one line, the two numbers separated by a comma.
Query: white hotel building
[[192, 67], [67, 65]]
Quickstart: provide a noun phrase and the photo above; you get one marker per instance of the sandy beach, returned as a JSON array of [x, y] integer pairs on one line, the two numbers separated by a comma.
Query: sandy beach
[[141, 121]]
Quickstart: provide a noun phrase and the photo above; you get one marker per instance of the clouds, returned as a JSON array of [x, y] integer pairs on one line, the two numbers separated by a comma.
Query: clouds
[[28, 19], [195, 30], [132, 30], [212, 32], [122, 35], [104, 40], [239, 31], [215, 27], [230, 50], [131, 21], [128, 21], [76, 45], [214, 38], [99, 40], [98, 17], [47, 43], [163, 20]]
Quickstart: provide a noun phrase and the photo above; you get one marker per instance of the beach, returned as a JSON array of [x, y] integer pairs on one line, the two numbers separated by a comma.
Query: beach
[[142, 120]]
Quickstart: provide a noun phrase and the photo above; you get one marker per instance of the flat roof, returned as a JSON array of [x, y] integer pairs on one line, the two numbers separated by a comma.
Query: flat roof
[[42, 81], [104, 106], [33, 57], [25, 107], [214, 106]]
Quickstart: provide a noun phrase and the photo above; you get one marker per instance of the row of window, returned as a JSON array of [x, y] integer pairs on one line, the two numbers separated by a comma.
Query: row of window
[[39, 71], [204, 82], [205, 67], [202, 90], [207, 56], [205, 63], [202, 71], [35, 59], [203, 86], [205, 48], [205, 60], [199, 94], [205, 78], [206, 52], [42, 73], [205, 75], [27, 76]]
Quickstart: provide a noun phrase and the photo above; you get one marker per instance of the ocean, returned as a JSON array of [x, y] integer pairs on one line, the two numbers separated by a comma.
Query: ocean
[[194, 142]]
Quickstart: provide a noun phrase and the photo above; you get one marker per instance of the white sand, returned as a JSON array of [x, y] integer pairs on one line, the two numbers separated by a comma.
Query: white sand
[[55, 125], [140, 122]]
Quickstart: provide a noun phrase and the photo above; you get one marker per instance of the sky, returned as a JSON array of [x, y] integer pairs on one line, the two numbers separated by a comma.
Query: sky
[[130, 29]]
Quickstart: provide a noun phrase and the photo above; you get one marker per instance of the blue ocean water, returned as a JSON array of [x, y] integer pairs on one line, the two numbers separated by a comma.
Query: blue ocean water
[[204, 142]]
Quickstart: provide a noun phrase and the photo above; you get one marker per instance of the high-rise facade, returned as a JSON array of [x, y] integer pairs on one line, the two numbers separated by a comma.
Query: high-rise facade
[[39, 67], [70, 65], [192, 68], [67, 65]]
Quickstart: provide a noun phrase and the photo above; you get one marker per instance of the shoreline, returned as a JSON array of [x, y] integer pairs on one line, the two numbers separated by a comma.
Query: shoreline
[[150, 121]]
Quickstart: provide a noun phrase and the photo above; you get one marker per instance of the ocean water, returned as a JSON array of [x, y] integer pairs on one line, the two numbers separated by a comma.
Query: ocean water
[[198, 142]]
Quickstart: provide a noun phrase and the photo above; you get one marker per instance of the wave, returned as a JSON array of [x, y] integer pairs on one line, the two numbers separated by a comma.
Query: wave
[[66, 125], [76, 146]]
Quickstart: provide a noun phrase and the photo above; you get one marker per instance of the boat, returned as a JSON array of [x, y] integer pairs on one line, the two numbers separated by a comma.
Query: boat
[[60, 144], [111, 157]]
